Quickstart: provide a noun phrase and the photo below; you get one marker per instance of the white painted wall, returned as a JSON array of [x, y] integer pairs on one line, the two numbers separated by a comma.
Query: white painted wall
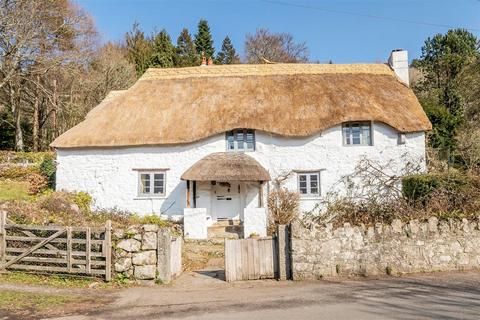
[[255, 222], [108, 175]]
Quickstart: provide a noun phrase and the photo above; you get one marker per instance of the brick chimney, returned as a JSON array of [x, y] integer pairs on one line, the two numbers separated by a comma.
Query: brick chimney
[[398, 61], [210, 61]]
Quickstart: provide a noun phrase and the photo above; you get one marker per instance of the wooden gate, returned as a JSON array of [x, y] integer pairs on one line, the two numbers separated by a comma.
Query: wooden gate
[[58, 249], [250, 259]]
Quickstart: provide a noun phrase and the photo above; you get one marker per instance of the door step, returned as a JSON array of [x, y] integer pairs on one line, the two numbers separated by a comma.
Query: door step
[[230, 229]]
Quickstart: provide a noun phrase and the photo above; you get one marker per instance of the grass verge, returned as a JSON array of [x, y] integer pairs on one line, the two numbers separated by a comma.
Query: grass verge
[[13, 190]]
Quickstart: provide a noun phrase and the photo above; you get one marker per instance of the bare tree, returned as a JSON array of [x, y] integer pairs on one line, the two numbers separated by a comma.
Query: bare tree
[[36, 38], [265, 47]]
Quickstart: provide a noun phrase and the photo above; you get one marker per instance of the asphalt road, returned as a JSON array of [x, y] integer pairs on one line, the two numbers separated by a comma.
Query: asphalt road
[[198, 296]]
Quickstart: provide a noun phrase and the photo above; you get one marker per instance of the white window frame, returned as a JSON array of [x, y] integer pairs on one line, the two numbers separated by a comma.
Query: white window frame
[[151, 193], [236, 141], [308, 181], [348, 125]]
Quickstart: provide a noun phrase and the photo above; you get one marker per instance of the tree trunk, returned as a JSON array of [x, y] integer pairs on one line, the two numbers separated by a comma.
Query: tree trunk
[[17, 118], [54, 110], [36, 120]]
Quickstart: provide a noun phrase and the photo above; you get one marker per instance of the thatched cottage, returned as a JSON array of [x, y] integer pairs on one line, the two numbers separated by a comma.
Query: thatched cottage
[[207, 141]]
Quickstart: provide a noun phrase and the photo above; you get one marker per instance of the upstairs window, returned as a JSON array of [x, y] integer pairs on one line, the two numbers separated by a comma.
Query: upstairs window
[[309, 184], [241, 140], [357, 133], [151, 184]]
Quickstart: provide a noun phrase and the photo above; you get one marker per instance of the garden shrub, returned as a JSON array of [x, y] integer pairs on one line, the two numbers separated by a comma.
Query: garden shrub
[[16, 172], [48, 169], [283, 207], [420, 186], [37, 183], [83, 200]]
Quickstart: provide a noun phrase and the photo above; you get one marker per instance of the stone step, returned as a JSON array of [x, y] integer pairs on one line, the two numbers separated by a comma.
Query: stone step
[[228, 222]]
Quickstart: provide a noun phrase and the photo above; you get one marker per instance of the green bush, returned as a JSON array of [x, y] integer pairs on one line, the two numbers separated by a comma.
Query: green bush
[[83, 200], [49, 169], [421, 186]]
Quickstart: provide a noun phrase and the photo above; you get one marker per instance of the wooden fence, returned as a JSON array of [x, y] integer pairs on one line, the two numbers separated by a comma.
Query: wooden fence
[[58, 249]]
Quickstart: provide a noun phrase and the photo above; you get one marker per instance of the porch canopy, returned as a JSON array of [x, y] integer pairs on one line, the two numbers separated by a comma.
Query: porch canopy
[[226, 166]]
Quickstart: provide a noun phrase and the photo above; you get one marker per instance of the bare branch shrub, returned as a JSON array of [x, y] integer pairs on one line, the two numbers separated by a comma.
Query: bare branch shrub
[[283, 204]]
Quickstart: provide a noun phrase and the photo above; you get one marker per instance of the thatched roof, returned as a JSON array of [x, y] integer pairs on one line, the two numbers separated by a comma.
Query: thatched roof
[[173, 106], [227, 166]]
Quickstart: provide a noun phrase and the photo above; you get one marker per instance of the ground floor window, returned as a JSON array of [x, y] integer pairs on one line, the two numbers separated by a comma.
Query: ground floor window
[[151, 183], [309, 183]]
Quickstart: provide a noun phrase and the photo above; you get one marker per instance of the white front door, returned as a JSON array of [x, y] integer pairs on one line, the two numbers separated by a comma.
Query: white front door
[[226, 200]]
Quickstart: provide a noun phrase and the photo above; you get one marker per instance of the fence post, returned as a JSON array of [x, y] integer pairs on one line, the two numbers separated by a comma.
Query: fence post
[[283, 245], [88, 250], [3, 241], [108, 250], [69, 249], [164, 247]]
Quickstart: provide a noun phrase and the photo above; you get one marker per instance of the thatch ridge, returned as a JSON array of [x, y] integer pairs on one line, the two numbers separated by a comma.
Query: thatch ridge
[[176, 109], [227, 166]]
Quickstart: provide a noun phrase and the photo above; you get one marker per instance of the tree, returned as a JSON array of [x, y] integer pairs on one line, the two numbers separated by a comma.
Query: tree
[[264, 46], [203, 39], [36, 38], [186, 53], [139, 49], [228, 54], [444, 58], [163, 51]]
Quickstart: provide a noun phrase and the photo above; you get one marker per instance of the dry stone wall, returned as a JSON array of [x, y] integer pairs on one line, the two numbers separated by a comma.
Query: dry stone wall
[[396, 248], [143, 254]]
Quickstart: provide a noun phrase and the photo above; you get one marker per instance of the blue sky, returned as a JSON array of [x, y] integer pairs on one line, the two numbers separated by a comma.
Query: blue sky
[[344, 31]]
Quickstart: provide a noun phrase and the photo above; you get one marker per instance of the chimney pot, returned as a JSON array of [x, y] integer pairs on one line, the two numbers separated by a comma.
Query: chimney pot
[[210, 61]]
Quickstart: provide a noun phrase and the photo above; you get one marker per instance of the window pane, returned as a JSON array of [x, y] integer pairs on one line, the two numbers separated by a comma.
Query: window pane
[[239, 139], [249, 137], [346, 134], [314, 190], [302, 177], [355, 134], [158, 183], [230, 140], [366, 135], [303, 190], [145, 183]]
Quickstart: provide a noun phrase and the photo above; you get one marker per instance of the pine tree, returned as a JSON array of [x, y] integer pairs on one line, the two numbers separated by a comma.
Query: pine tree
[[203, 39], [228, 54], [163, 52], [186, 53], [139, 48]]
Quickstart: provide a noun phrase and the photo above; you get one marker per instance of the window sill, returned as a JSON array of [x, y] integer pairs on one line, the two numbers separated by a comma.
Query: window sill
[[310, 198], [149, 198]]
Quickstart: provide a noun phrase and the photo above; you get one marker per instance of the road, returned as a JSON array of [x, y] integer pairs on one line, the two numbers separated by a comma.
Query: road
[[198, 296]]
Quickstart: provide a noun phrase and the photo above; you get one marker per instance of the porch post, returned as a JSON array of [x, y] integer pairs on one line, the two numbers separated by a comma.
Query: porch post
[[194, 194], [260, 194], [188, 194]]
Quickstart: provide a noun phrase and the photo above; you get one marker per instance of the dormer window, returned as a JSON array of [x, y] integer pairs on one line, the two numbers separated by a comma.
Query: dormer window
[[357, 133], [241, 140]]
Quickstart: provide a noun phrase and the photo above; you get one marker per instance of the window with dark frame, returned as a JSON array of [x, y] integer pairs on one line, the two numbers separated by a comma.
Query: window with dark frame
[[241, 140], [151, 184], [357, 133], [309, 184]]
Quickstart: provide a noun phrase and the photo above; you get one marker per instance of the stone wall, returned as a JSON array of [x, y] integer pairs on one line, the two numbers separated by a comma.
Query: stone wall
[[385, 249], [144, 254]]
